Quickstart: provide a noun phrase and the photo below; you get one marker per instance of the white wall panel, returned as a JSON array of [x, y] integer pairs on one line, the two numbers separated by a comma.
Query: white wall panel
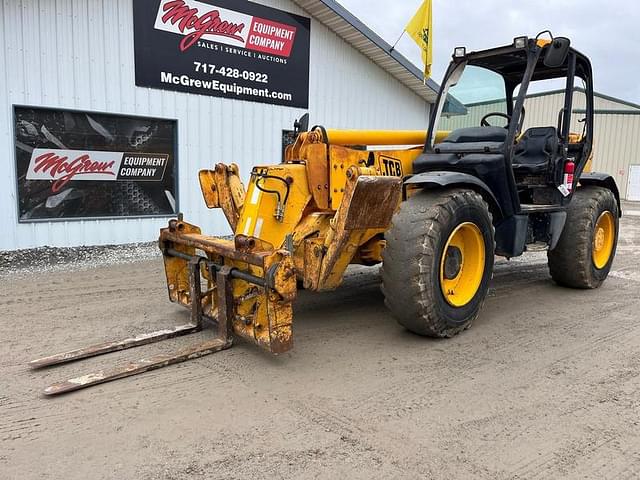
[[79, 54]]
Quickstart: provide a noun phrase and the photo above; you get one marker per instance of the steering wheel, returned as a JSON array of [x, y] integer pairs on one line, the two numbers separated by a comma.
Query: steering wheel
[[484, 123]]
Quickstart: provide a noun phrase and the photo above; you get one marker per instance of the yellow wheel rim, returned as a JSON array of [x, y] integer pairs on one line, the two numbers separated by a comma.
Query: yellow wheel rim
[[604, 237], [462, 265]]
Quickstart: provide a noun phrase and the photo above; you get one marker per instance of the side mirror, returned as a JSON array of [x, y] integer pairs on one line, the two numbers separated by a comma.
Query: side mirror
[[301, 125], [557, 52]]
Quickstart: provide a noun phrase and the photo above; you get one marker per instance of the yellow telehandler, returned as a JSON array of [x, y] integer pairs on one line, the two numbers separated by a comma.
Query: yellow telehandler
[[433, 207]]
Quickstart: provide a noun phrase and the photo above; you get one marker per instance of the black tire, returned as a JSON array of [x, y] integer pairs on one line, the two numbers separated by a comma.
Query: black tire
[[412, 260], [571, 262]]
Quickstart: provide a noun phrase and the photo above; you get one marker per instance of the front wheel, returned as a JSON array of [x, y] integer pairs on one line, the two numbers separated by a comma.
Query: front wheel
[[438, 261], [587, 246]]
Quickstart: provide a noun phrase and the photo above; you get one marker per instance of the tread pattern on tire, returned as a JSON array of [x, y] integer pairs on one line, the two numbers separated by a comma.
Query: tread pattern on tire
[[412, 242], [570, 263]]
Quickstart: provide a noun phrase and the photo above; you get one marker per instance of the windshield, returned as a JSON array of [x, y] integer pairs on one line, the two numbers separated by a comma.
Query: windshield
[[473, 92]]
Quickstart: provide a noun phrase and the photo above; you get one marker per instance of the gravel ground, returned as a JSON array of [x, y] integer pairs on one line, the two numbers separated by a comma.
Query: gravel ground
[[546, 384], [48, 259]]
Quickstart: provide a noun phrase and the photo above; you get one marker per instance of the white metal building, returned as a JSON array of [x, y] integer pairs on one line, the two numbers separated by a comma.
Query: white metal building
[[79, 55], [616, 128]]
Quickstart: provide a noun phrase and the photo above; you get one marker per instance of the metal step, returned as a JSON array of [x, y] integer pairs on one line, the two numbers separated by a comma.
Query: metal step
[[531, 208]]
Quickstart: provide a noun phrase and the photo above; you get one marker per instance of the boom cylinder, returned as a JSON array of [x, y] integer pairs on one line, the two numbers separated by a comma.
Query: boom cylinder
[[377, 137]]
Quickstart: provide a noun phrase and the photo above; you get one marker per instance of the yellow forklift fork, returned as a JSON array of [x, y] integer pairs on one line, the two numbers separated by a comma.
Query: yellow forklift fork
[[222, 341], [181, 260]]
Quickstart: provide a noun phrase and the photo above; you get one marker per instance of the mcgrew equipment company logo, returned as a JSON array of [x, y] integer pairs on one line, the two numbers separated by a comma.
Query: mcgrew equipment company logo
[[197, 21], [63, 166]]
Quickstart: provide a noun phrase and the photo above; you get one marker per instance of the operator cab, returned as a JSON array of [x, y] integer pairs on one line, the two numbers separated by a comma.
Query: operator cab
[[520, 153]]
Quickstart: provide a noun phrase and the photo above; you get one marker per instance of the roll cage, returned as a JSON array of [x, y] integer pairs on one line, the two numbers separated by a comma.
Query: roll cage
[[519, 66]]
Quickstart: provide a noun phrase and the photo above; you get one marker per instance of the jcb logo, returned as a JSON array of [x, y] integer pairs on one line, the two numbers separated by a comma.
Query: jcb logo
[[391, 167]]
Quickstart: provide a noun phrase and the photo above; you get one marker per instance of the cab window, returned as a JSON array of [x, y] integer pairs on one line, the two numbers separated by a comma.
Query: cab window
[[478, 92]]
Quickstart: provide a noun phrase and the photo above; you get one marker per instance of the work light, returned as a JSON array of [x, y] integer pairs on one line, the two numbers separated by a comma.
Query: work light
[[460, 52], [520, 42]]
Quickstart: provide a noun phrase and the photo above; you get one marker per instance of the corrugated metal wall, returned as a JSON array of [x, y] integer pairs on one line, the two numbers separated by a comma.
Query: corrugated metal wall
[[617, 136], [540, 110], [617, 146], [78, 54]]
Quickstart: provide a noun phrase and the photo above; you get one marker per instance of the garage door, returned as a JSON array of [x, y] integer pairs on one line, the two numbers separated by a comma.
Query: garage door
[[633, 192]]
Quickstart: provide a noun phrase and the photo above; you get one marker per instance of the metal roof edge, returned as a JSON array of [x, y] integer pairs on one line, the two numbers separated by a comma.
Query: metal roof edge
[[617, 100], [376, 40], [557, 91], [609, 112]]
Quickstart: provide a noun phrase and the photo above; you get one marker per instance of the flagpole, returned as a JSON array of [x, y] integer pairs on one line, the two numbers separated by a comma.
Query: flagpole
[[397, 41]]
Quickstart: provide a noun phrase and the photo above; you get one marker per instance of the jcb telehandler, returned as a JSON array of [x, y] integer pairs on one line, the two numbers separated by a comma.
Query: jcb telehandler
[[434, 216]]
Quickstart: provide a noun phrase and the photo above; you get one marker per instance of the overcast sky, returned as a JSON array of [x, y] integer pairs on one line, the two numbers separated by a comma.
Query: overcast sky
[[607, 31]]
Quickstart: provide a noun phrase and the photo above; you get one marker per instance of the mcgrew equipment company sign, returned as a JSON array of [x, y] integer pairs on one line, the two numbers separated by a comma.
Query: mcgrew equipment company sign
[[233, 49], [78, 165]]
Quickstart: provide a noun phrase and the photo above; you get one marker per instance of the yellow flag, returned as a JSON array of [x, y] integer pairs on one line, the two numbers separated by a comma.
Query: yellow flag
[[420, 29]]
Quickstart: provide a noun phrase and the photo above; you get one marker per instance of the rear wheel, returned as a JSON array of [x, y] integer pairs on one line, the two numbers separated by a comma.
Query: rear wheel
[[587, 246], [438, 261]]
